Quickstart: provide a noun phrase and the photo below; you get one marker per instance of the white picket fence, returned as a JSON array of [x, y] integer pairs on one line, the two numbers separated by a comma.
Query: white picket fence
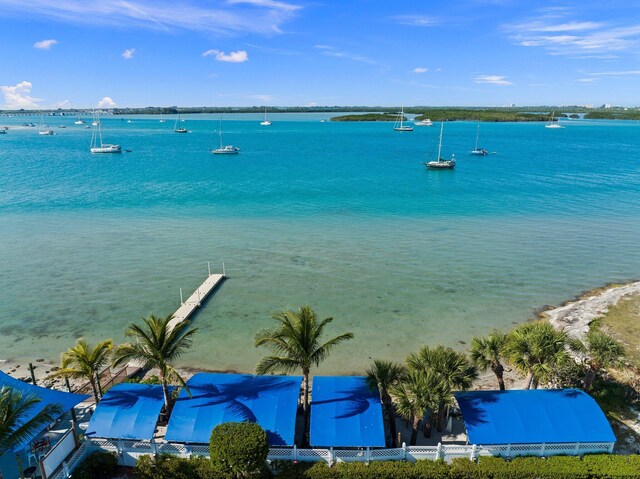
[[129, 452]]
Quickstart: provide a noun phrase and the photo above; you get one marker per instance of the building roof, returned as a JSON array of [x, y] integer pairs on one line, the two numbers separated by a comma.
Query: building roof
[[127, 411], [533, 417], [66, 401], [345, 413], [270, 401]]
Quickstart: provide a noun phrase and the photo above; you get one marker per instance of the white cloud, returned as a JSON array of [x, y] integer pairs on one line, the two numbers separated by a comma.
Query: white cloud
[[260, 97], [616, 73], [560, 35], [239, 56], [416, 20], [311, 104], [19, 96], [333, 52], [492, 79], [106, 102], [229, 17], [45, 44], [62, 104], [587, 80], [128, 53], [420, 70]]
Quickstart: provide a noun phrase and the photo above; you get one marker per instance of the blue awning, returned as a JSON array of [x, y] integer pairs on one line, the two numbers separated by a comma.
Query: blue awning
[[533, 417], [66, 401], [127, 411], [270, 401], [345, 413]]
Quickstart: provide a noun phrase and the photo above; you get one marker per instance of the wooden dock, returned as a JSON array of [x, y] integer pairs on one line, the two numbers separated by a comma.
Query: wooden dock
[[193, 302]]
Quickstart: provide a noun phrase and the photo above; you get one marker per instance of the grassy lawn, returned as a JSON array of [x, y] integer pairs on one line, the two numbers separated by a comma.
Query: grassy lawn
[[623, 323]]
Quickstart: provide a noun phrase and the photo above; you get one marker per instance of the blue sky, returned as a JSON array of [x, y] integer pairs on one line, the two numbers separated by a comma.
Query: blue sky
[[84, 53]]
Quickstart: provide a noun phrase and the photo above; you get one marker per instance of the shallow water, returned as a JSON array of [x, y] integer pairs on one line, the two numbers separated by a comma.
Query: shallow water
[[341, 216]]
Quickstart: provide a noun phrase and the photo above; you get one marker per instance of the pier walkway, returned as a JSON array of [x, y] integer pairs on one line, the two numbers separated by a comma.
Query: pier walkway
[[193, 302]]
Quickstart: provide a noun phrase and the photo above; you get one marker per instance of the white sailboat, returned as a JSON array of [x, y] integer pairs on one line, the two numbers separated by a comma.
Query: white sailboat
[[553, 124], [161, 119], [79, 121], [179, 128], [439, 163], [265, 122], [227, 149], [399, 124], [44, 129], [477, 150], [97, 146]]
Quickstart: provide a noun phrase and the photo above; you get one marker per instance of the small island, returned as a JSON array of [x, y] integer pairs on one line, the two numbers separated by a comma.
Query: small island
[[368, 117], [453, 114]]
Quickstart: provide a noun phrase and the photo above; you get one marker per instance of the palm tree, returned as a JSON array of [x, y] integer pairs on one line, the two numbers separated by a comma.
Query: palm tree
[[601, 351], [157, 345], [383, 375], [537, 349], [297, 344], [86, 361], [15, 408], [417, 393], [486, 352], [453, 369]]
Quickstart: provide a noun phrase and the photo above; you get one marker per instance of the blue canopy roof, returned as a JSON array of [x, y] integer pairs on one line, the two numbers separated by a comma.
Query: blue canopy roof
[[127, 411], [270, 401], [533, 416], [47, 396], [345, 413]]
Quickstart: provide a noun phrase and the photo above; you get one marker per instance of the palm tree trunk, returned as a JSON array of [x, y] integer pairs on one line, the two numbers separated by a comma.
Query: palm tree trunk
[[588, 379], [528, 380], [534, 383], [99, 385], [440, 419], [414, 430], [391, 417], [165, 390], [498, 370], [305, 404], [92, 381]]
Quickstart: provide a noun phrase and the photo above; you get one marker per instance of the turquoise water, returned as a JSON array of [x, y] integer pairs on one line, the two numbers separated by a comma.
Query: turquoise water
[[341, 216]]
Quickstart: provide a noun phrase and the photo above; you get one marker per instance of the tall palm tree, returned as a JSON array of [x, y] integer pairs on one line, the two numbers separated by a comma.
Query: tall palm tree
[[537, 349], [383, 375], [157, 345], [86, 361], [601, 351], [15, 429], [297, 344], [453, 369], [418, 393], [486, 352]]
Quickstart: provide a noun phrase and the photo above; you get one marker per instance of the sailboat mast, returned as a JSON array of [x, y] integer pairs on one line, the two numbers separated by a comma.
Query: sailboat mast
[[477, 134], [440, 142], [220, 131]]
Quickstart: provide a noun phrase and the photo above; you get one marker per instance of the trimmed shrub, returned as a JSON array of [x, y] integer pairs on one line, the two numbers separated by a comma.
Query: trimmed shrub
[[98, 465], [240, 448], [172, 467], [605, 466]]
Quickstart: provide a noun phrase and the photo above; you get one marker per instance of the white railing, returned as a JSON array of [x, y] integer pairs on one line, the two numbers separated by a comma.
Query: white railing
[[58, 453], [129, 452]]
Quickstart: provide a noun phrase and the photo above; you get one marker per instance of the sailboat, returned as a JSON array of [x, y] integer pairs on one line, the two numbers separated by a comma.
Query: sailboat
[[478, 151], [398, 125], [177, 128], [441, 164], [99, 147], [225, 150], [79, 121], [265, 122], [44, 130], [161, 119], [553, 124]]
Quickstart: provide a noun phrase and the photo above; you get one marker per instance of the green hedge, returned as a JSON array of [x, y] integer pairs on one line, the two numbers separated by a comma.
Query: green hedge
[[98, 465], [558, 467]]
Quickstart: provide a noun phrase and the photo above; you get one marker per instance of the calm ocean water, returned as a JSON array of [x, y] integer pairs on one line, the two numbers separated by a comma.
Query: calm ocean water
[[341, 216]]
